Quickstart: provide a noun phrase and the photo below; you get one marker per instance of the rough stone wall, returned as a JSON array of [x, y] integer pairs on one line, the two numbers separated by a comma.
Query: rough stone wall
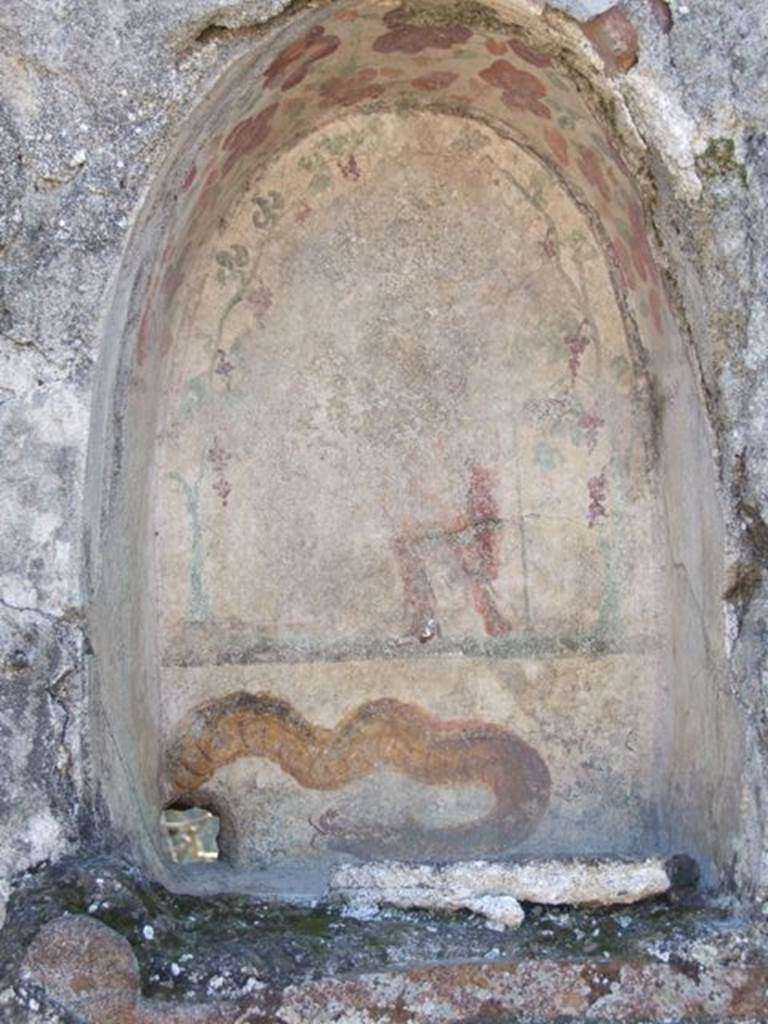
[[699, 98], [90, 97]]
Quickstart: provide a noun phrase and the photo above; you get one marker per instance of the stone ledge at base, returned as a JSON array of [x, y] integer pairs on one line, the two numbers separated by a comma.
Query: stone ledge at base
[[494, 890], [85, 968]]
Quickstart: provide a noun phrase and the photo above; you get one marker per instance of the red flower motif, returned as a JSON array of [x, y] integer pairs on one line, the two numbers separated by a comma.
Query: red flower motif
[[528, 54], [223, 368], [207, 191], [642, 257], [496, 47], [247, 136], [591, 167], [173, 278], [597, 489], [291, 65], [260, 300], [350, 169], [624, 259], [520, 89], [406, 38], [175, 271], [550, 244], [591, 423], [557, 143], [346, 91], [434, 80], [153, 332], [191, 174], [577, 344]]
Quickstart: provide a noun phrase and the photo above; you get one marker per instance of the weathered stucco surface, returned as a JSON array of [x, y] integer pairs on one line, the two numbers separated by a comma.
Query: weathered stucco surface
[[93, 101], [438, 454], [343, 424]]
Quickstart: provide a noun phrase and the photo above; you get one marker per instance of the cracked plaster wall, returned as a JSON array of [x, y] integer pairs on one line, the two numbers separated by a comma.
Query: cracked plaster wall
[[90, 100]]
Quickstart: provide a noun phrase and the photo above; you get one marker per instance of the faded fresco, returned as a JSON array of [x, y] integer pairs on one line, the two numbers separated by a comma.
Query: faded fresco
[[408, 604]]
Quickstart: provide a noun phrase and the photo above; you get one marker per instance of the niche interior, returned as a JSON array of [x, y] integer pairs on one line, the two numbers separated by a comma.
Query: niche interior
[[406, 542]]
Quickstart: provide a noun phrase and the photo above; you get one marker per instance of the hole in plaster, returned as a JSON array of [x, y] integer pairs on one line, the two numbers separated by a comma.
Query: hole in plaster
[[192, 833]]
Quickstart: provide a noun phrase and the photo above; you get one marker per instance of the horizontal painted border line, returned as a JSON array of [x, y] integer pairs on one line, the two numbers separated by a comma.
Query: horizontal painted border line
[[207, 650]]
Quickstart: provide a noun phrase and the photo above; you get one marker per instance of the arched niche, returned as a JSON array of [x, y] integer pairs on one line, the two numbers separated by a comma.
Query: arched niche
[[406, 540]]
